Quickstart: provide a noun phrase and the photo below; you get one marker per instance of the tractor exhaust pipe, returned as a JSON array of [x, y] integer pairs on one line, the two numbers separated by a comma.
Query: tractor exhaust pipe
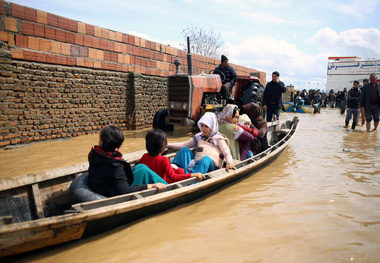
[[189, 59]]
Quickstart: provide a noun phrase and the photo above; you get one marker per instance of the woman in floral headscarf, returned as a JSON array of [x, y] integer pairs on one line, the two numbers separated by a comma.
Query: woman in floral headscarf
[[185, 158], [228, 126], [260, 143]]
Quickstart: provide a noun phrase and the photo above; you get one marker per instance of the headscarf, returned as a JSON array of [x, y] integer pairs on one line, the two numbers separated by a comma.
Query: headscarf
[[226, 117], [227, 114], [243, 119], [253, 110], [209, 119]]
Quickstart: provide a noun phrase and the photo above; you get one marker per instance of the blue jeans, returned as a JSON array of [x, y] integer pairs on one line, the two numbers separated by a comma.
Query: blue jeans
[[185, 156], [352, 111]]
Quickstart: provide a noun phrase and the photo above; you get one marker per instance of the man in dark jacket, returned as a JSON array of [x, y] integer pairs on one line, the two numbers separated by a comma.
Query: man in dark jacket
[[228, 77], [272, 99], [370, 101], [353, 99]]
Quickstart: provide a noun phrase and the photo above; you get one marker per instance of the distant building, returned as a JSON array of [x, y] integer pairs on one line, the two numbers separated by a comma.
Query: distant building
[[343, 71]]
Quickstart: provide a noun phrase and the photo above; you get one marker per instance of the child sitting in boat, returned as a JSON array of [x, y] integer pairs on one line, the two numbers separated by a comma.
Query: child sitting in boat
[[110, 175], [228, 125], [260, 143], [212, 148], [156, 142], [245, 123]]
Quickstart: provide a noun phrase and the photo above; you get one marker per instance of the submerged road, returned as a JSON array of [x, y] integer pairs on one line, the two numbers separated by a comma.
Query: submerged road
[[315, 203]]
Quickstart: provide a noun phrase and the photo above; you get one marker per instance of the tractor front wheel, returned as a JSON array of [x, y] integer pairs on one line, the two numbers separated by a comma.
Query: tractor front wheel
[[159, 121]]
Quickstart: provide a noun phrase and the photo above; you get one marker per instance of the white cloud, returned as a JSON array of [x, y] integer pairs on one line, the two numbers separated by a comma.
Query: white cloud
[[268, 54], [360, 42], [356, 8]]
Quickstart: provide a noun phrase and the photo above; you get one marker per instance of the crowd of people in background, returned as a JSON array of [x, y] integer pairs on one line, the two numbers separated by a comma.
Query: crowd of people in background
[[361, 101]]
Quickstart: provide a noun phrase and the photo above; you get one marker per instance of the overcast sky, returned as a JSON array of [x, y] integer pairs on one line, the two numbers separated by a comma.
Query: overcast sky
[[294, 37]]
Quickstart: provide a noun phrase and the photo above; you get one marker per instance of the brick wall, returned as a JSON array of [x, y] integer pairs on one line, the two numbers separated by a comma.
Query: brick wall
[[61, 78]]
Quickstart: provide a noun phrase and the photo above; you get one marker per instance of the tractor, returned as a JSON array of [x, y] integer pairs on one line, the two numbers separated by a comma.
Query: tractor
[[190, 96]]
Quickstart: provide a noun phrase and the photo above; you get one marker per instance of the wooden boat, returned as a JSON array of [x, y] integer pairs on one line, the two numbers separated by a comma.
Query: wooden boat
[[36, 211]]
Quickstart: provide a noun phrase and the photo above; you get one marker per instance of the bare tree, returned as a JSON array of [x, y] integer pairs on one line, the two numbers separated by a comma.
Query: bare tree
[[204, 43]]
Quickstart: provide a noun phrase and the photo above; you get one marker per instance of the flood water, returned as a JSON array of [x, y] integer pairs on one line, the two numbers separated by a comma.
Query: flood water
[[315, 203]]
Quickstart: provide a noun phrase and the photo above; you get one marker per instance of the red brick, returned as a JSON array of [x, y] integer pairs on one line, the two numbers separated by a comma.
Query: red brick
[[89, 63], [41, 17], [70, 61], [39, 30], [27, 28], [60, 35], [81, 27], [72, 25], [11, 40], [107, 56], [30, 14], [50, 33], [29, 55], [74, 51], [17, 53], [96, 43], [105, 33], [119, 67], [2, 8], [22, 41], [70, 37], [83, 52], [45, 45], [55, 47], [79, 40], [33, 43], [89, 30], [3, 36], [62, 22], [113, 57], [52, 20], [41, 57], [87, 41], [129, 49], [10, 24], [65, 49], [131, 40], [125, 38], [110, 45], [17, 10], [79, 62]]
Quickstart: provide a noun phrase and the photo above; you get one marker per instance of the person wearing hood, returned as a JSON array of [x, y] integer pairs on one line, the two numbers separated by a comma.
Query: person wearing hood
[[208, 156], [260, 143], [228, 77], [110, 175]]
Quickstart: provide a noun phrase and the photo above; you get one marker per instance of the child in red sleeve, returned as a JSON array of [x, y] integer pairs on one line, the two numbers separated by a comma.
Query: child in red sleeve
[[245, 123], [156, 143]]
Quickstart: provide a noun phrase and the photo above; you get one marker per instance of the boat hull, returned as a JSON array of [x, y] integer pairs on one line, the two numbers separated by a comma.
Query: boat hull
[[89, 218]]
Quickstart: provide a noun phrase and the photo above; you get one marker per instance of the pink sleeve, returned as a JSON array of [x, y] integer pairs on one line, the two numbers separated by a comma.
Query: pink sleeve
[[179, 145], [225, 150]]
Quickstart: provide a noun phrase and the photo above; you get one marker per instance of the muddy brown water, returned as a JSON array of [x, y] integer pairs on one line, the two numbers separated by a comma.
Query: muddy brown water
[[315, 203]]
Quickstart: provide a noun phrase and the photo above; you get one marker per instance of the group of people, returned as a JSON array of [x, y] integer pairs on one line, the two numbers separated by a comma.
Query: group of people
[[364, 101], [221, 139]]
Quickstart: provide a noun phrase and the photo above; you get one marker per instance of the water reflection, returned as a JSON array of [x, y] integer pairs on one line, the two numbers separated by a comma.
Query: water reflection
[[315, 203]]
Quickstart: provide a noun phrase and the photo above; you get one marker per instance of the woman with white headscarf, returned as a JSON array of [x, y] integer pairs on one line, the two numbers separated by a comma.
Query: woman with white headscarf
[[201, 162]]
